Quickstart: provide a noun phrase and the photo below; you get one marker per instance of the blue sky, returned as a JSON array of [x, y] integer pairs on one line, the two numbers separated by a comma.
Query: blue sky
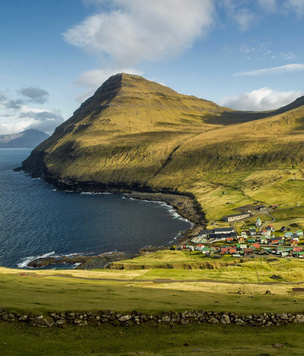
[[246, 54]]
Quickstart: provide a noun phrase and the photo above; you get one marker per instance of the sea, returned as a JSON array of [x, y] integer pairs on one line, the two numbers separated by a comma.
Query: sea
[[36, 220]]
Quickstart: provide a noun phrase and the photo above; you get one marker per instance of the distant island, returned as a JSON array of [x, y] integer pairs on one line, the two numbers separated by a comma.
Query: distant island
[[25, 139]]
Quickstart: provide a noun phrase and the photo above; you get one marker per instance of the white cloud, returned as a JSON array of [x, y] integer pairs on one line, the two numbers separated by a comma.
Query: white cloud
[[137, 30], [133, 31], [275, 70], [261, 99]]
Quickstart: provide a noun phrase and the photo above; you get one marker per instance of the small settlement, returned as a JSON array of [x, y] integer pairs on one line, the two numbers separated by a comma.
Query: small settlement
[[250, 242]]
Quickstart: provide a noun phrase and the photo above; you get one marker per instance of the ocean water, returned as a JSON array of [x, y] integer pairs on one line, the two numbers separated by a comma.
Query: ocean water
[[37, 220]]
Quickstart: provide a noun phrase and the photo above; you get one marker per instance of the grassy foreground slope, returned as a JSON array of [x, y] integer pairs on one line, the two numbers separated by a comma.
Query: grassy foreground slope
[[134, 132], [153, 289], [228, 340]]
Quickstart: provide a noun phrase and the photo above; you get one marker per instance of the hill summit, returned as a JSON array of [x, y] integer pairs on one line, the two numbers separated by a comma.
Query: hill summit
[[139, 134]]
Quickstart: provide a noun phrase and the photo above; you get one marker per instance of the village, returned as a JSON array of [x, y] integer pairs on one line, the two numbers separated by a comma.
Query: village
[[252, 241]]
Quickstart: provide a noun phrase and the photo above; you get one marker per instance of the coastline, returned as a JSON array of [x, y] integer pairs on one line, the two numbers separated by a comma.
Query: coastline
[[185, 205]]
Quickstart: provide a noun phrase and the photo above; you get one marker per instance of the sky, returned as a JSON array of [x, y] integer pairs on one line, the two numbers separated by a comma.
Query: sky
[[244, 54]]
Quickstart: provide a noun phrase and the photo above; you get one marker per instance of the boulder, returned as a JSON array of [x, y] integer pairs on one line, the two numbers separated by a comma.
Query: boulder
[[225, 319], [124, 318], [299, 318]]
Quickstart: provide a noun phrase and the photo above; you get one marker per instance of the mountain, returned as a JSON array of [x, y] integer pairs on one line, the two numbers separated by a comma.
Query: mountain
[[139, 134], [25, 139]]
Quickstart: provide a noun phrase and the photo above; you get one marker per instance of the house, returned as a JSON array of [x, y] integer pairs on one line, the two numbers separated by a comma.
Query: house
[[258, 222], [288, 235], [236, 217], [222, 236], [266, 233], [252, 231], [294, 241], [248, 251], [298, 249], [241, 239], [205, 233], [261, 207], [229, 239], [251, 240], [299, 233], [263, 240], [274, 241], [223, 231], [270, 227], [199, 247], [232, 251], [256, 245]]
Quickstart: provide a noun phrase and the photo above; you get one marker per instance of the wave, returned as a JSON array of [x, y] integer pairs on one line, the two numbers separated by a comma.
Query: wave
[[26, 260], [95, 193]]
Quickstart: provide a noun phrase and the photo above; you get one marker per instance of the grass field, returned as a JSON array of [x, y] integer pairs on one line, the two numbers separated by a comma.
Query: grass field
[[230, 340]]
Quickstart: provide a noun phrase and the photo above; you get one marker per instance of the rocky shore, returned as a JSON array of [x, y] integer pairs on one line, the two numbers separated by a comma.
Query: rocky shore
[[85, 262], [137, 318]]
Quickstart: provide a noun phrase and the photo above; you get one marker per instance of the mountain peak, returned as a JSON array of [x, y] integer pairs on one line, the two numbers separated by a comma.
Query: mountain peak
[[121, 84]]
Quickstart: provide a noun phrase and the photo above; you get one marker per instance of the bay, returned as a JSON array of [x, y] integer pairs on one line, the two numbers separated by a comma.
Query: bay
[[36, 220]]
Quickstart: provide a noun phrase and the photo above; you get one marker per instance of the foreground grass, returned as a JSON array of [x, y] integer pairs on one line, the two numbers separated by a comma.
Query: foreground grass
[[20, 339], [150, 292]]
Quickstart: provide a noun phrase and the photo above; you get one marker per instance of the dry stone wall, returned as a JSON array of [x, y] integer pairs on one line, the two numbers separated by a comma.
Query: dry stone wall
[[136, 318]]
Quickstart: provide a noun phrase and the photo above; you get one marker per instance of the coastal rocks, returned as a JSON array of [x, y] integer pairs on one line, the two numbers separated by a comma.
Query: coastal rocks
[[172, 319], [86, 262]]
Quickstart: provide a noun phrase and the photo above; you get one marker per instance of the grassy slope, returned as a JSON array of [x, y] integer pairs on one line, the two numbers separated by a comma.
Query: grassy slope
[[148, 289], [134, 130], [186, 340]]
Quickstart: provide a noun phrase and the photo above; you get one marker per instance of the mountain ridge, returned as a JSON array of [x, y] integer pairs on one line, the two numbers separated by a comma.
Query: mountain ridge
[[26, 139]]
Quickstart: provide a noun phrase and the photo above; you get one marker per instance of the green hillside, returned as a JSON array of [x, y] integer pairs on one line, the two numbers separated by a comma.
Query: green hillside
[[137, 133]]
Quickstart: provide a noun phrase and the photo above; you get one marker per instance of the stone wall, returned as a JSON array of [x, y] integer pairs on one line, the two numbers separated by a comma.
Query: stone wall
[[137, 318]]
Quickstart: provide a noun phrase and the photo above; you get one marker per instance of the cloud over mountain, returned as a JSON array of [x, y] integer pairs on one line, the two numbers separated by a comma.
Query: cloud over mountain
[[261, 99], [17, 115]]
